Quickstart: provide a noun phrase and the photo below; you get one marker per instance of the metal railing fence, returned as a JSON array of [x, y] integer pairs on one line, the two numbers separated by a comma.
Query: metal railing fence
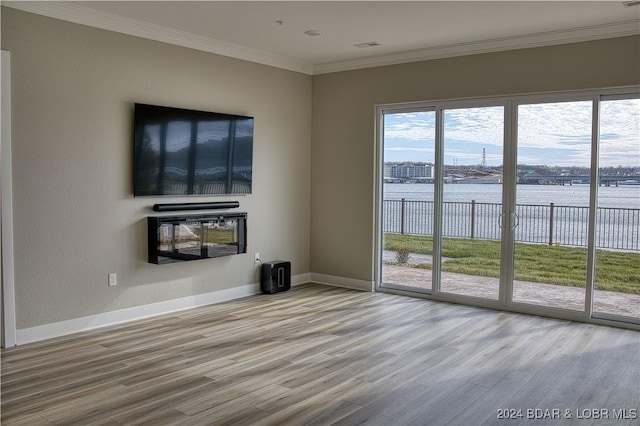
[[616, 228]]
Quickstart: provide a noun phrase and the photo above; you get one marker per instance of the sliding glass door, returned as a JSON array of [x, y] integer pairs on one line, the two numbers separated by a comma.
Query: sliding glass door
[[617, 239], [526, 203], [552, 204], [472, 177], [408, 199], [441, 200]]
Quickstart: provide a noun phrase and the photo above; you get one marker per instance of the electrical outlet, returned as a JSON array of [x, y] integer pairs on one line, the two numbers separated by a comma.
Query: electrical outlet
[[256, 258], [113, 279]]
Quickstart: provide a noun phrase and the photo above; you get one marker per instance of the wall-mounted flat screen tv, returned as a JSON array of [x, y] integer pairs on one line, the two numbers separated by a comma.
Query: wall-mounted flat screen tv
[[185, 152]]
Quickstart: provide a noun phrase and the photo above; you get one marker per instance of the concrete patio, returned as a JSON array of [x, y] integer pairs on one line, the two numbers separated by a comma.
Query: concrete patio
[[558, 296]]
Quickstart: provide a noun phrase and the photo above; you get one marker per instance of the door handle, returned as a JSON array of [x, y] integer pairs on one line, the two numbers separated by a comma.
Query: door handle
[[515, 220]]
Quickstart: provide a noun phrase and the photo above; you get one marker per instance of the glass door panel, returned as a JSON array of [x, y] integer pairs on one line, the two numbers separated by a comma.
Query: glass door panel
[[550, 222], [472, 201], [617, 260], [407, 200]]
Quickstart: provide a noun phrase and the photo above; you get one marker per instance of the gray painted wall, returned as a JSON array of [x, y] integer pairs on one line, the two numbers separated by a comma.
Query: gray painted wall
[[75, 216], [342, 153]]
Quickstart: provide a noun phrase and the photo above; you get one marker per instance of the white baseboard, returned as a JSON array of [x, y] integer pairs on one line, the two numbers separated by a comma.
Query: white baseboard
[[91, 322], [342, 282]]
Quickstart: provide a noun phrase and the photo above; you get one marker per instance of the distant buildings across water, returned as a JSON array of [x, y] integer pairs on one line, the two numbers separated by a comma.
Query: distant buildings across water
[[409, 172], [417, 172]]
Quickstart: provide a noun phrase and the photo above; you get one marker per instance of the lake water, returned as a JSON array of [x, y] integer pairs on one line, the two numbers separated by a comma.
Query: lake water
[[624, 196]]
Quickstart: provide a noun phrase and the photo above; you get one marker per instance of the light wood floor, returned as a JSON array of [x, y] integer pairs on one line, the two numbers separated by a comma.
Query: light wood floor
[[319, 355]]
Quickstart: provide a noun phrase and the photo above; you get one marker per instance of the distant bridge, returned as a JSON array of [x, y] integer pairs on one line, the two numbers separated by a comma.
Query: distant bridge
[[570, 179]]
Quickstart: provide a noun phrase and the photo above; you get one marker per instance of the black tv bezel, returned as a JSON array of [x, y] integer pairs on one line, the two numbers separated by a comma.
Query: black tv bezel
[[189, 114]]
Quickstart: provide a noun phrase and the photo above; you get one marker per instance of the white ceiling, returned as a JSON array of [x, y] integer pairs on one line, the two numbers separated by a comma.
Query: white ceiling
[[406, 31]]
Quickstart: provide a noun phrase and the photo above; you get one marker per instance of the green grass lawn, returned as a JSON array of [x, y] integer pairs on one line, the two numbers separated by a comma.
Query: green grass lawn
[[615, 271]]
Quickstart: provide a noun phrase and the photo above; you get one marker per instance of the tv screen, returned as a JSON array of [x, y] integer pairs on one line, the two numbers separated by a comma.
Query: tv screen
[[185, 152]]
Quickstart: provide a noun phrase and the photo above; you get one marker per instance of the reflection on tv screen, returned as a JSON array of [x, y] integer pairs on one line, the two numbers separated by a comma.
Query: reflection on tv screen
[[185, 152]]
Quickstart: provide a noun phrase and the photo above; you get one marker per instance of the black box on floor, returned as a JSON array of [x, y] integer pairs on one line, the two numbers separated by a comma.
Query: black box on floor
[[275, 276]]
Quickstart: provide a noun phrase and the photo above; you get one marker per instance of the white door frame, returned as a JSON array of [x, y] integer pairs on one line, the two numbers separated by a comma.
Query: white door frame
[[6, 209]]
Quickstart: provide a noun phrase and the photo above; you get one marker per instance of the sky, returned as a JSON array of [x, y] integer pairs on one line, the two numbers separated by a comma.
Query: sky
[[553, 134]]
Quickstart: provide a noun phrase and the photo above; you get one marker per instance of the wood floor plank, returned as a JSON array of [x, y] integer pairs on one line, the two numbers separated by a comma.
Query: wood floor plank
[[319, 355], [624, 395]]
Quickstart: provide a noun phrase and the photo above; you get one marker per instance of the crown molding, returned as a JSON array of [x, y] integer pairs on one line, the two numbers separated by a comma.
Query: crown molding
[[107, 21], [90, 17], [575, 35]]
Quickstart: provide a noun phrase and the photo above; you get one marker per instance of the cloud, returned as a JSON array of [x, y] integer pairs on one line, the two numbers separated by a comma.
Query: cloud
[[482, 126], [414, 128], [565, 125], [548, 133]]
